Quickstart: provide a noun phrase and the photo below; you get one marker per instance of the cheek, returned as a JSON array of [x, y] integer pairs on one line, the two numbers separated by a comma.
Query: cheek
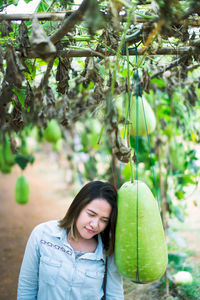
[[81, 219], [103, 226]]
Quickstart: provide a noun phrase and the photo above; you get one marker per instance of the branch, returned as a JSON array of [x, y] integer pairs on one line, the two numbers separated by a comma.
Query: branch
[[70, 22], [171, 65], [44, 80]]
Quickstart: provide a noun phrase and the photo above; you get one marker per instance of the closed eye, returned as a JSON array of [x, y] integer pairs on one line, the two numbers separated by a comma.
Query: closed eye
[[105, 221], [91, 215]]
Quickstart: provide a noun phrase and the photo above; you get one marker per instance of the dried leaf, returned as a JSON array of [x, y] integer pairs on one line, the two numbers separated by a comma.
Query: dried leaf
[[13, 74], [6, 28], [115, 7], [110, 38], [22, 36], [90, 73], [93, 17], [49, 97], [29, 97], [114, 138], [40, 42], [16, 121], [62, 74], [20, 63], [145, 85]]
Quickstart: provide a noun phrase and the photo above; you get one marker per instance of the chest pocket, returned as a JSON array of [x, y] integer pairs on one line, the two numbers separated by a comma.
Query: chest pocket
[[49, 269], [93, 284], [94, 276]]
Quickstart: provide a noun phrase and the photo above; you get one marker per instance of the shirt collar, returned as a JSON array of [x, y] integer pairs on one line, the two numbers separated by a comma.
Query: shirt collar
[[61, 233]]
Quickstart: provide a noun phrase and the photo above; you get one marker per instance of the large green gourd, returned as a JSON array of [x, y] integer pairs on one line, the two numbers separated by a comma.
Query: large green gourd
[[140, 246], [22, 190], [146, 122]]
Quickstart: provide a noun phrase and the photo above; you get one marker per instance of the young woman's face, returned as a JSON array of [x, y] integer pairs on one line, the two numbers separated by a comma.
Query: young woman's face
[[93, 218]]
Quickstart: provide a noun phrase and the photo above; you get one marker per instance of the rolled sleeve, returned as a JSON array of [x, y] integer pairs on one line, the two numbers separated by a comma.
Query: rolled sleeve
[[28, 276], [114, 285]]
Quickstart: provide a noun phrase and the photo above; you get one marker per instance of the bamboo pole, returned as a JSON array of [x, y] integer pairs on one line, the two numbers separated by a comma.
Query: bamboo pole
[[59, 16], [132, 51]]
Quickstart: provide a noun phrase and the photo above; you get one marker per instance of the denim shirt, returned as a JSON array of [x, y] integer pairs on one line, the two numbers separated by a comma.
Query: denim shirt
[[50, 271]]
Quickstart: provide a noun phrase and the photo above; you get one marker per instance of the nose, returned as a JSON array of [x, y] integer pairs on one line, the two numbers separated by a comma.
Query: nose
[[94, 223]]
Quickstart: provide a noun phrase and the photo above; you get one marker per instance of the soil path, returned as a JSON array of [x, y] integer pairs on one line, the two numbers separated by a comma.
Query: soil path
[[49, 199]]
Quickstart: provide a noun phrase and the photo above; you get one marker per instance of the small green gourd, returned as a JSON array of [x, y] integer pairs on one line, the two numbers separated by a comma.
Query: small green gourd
[[8, 155], [144, 117], [22, 190], [52, 133]]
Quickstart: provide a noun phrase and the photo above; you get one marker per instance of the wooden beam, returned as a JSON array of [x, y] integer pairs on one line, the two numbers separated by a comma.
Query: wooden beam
[[59, 16], [132, 51]]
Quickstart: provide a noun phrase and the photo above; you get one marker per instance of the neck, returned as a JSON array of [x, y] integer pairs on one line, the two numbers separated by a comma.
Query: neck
[[83, 244]]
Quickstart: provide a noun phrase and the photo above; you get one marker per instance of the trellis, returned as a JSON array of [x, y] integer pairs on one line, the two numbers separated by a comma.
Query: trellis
[[142, 29], [61, 16]]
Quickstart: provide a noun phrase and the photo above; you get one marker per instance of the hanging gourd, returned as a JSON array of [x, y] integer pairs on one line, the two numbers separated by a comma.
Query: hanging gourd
[[146, 118], [4, 167], [140, 247], [22, 190], [8, 155], [52, 133]]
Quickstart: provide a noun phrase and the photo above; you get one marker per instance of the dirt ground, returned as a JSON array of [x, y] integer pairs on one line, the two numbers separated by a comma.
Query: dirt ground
[[49, 198]]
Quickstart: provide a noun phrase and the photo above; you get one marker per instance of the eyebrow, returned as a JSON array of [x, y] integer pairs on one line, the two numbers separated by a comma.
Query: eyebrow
[[92, 211]]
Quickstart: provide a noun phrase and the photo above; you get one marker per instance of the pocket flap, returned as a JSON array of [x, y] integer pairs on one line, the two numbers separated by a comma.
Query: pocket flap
[[50, 261]]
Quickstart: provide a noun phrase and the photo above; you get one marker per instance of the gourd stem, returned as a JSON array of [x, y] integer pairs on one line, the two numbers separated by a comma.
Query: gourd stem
[[100, 135], [128, 114], [121, 44], [132, 170]]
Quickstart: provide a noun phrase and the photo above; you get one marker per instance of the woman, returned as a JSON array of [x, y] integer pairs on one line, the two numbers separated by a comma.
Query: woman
[[65, 260]]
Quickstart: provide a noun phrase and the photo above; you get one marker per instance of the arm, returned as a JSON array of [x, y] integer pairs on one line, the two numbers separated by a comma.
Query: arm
[[114, 285], [28, 277]]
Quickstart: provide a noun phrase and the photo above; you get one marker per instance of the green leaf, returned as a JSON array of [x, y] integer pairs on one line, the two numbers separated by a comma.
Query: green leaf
[[21, 95], [180, 194], [188, 179], [178, 258], [178, 212], [44, 6], [23, 160], [159, 82], [15, 2]]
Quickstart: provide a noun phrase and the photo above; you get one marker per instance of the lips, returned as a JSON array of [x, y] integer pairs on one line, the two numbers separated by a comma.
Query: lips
[[90, 230]]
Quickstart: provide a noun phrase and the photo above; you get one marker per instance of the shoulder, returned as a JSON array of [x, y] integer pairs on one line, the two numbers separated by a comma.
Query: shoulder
[[49, 227]]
